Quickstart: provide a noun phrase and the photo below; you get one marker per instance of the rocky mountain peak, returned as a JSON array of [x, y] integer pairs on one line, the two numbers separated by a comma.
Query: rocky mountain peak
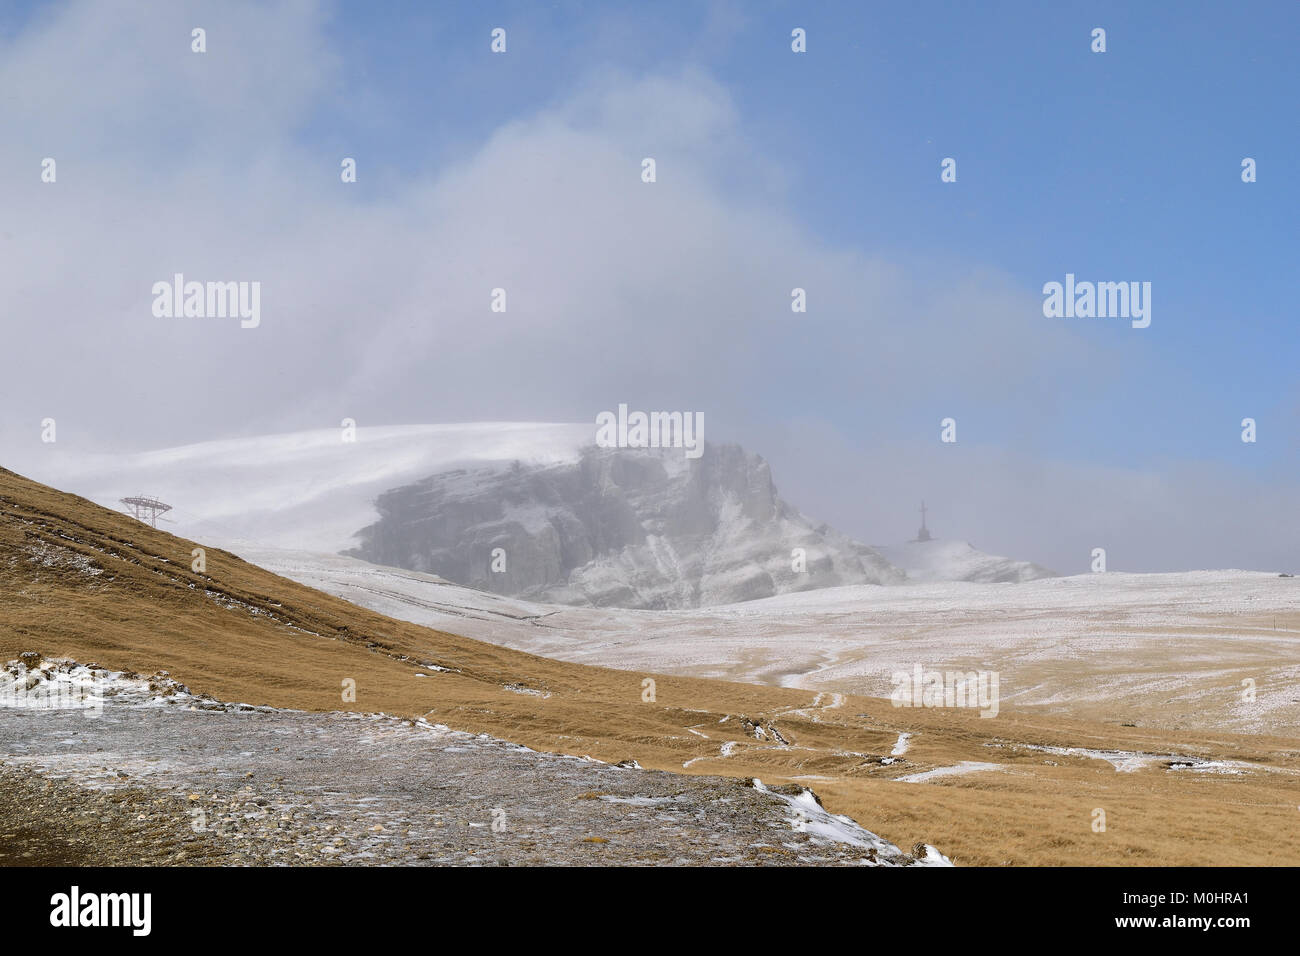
[[637, 528]]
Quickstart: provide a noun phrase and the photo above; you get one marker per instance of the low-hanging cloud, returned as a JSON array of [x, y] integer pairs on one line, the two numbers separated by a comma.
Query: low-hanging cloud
[[375, 303]]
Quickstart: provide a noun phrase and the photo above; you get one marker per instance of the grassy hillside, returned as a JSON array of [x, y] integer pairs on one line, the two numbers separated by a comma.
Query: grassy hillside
[[80, 581]]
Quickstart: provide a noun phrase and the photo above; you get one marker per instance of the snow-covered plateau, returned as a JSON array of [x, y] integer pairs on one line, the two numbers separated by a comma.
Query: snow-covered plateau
[[703, 565]]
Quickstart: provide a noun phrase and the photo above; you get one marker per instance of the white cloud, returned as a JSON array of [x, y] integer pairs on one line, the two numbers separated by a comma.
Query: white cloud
[[671, 295]]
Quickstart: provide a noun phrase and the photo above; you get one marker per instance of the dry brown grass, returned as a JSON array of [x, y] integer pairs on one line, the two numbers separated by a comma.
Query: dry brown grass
[[240, 633]]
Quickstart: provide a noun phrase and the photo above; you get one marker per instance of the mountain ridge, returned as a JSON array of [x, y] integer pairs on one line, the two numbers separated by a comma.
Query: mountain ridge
[[944, 559], [316, 490], [638, 528]]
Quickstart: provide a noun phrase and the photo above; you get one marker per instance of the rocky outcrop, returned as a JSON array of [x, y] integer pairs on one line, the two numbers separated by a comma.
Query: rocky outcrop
[[938, 560], [636, 528]]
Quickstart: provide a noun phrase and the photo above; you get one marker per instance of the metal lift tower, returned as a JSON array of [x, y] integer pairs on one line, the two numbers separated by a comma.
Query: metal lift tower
[[145, 508]]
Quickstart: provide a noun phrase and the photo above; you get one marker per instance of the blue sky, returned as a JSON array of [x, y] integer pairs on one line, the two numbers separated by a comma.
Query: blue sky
[[776, 169], [1117, 165]]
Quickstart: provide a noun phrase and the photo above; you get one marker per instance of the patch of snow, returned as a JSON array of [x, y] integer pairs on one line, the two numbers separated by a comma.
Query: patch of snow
[[809, 816], [1128, 761], [965, 767]]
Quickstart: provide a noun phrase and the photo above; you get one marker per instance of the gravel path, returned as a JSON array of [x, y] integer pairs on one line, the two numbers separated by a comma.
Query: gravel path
[[180, 779]]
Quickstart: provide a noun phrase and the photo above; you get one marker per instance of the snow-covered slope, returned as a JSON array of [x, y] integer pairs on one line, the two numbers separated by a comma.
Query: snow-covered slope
[[309, 490], [941, 560], [1159, 649]]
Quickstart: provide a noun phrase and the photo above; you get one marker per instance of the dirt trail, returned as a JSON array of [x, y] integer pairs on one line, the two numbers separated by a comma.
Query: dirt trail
[[171, 782]]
